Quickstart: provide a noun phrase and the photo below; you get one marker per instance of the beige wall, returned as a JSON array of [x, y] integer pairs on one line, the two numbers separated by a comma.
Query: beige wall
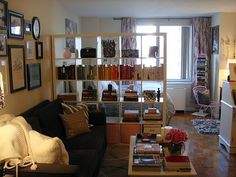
[[100, 25], [52, 18], [227, 30]]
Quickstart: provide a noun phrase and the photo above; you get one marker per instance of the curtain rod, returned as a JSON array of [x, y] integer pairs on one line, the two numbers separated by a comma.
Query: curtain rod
[[165, 18]]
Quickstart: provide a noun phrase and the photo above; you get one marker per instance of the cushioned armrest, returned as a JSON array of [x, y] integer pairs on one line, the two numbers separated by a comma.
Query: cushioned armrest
[[48, 170], [97, 117]]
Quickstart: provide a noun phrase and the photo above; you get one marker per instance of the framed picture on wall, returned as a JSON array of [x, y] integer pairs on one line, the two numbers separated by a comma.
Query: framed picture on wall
[[28, 27], [39, 50], [29, 50], [3, 45], [16, 67], [3, 14], [33, 75], [15, 25]]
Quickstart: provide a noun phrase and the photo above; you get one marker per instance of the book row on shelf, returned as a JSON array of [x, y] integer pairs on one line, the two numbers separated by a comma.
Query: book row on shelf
[[149, 154], [202, 70], [110, 72]]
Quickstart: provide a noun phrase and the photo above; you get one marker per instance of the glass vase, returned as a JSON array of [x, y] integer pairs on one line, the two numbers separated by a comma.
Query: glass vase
[[176, 149]]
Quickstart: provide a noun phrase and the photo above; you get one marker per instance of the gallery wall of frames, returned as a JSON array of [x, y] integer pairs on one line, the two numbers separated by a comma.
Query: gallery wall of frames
[[21, 50]]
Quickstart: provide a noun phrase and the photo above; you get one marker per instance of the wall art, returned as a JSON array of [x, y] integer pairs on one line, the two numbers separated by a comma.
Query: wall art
[[16, 67]]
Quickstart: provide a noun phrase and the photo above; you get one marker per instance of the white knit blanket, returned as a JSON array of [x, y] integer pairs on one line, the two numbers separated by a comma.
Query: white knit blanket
[[22, 146]]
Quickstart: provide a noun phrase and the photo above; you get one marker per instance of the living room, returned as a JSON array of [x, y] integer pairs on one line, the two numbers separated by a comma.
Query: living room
[[52, 15]]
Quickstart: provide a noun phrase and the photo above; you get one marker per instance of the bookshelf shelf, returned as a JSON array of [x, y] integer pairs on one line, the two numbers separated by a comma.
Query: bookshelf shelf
[[202, 70], [121, 68]]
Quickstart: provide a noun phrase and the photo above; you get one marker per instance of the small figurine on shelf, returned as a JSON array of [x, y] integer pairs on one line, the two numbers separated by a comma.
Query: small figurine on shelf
[[158, 94], [109, 87]]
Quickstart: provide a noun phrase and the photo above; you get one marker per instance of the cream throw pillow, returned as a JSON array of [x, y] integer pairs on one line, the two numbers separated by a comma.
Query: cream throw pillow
[[75, 123]]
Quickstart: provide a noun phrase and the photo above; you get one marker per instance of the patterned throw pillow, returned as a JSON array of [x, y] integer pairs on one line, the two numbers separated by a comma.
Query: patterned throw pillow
[[67, 109], [74, 123], [79, 108]]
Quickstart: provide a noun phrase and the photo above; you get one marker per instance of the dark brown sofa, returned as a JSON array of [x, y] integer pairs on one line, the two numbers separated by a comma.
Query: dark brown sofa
[[85, 150]]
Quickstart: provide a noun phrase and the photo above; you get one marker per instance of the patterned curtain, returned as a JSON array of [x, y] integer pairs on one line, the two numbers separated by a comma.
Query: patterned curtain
[[128, 25], [201, 44]]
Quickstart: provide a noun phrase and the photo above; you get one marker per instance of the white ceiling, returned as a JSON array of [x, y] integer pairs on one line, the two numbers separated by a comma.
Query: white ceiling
[[148, 8]]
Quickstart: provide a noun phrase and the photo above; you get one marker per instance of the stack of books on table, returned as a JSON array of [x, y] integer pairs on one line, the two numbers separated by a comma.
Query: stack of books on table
[[147, 148], [146, 153], [177, 163], [141, 161], [146, 138]]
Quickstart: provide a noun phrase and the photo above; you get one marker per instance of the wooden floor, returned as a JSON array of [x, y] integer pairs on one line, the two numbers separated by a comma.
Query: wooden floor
[[208, 158]]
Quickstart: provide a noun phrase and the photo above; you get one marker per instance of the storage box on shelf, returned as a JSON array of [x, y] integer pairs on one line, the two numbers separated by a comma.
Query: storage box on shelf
[[137, 80]]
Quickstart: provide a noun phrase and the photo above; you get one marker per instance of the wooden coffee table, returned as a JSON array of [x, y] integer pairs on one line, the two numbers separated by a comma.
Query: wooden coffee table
[[153, 173]]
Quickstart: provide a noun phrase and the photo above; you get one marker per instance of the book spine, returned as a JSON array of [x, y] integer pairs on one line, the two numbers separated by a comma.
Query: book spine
[[79, 68], [82, 72]]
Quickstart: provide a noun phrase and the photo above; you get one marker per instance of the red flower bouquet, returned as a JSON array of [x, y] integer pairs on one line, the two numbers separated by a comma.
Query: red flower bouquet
[[176, 136]]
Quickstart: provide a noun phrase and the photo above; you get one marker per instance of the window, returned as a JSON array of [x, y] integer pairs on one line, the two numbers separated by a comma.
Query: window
[[178, 48], [147, 40]]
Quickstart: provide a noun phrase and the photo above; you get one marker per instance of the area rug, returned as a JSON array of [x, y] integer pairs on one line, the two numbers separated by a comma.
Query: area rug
[[207, 126]]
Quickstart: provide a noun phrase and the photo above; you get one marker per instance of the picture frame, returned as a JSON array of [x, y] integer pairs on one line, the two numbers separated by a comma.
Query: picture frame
[[215, 39], [17, 74], [39, 49], [3, 45], [28, 27], [29, 50], [15, 25], [3, 14], [34, 76]]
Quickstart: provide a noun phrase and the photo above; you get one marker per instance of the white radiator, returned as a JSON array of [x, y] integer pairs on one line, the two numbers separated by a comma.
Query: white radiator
[[178, 96]]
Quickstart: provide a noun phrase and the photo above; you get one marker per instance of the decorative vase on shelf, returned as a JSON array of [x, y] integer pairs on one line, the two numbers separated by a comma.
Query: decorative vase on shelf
[[67, 53], [176, 149]]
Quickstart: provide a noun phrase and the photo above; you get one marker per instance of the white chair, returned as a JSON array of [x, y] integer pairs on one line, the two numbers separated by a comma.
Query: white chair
[[202, 97]]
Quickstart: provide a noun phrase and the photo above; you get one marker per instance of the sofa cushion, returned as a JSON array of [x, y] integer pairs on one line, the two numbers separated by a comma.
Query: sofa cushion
[[50, 120], [75, 123], [87, 160], [34, 122], [93, 140], [30, 112]]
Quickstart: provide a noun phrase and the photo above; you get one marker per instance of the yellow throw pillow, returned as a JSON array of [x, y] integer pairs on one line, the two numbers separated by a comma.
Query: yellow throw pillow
[[75, 123]]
